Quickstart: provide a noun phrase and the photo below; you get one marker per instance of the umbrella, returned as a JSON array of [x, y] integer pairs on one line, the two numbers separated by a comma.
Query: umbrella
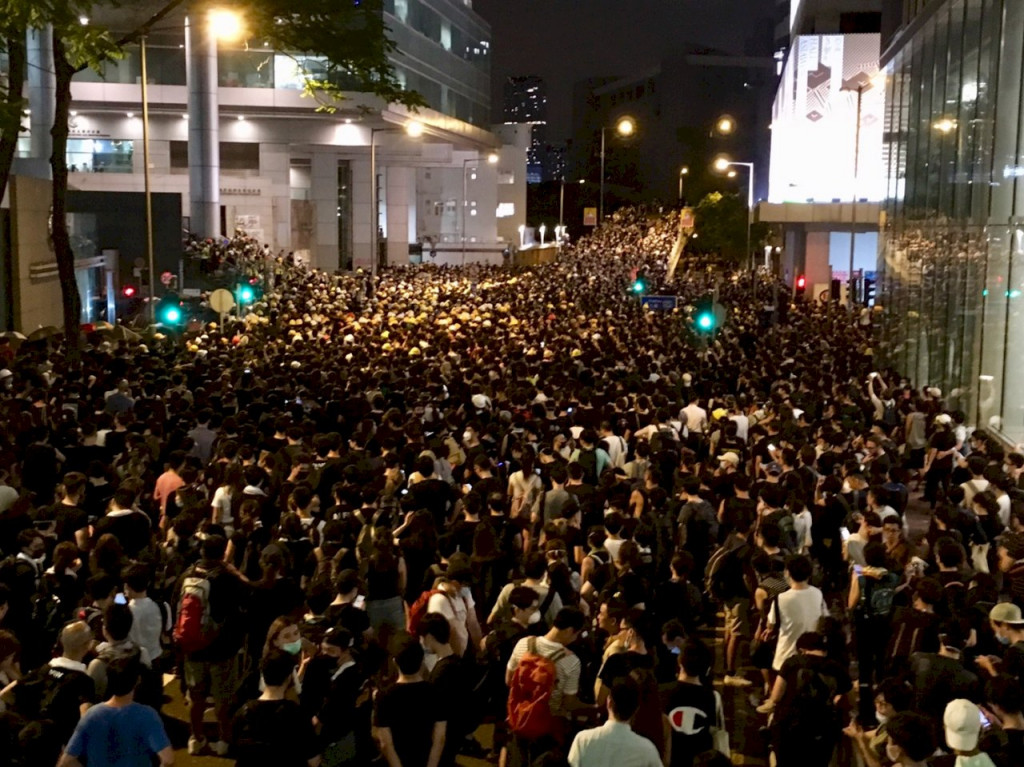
[[14, 337], [40, 334], [118, 332]]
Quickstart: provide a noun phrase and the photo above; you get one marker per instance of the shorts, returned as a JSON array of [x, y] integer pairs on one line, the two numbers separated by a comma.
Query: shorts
[[215, 678], [737, 617]]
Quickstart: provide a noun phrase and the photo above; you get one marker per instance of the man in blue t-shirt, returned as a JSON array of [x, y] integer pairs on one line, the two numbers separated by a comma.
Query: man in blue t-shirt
[[120, 732]]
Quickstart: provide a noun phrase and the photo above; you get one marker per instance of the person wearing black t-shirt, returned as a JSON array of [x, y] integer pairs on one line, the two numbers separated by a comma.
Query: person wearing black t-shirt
[[71, 523], [1005, 699], [335, 692], [130, 526], [410, 725], [271, 729], [690, 706], [450, 679], [343, 611]]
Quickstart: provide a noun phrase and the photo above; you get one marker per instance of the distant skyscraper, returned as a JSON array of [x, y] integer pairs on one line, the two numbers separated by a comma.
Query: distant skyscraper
[[526, 101]]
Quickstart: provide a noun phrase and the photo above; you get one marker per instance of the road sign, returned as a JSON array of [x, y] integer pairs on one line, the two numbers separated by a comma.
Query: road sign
[[590, 217], [222, 301], [659, 303], [687, 220]]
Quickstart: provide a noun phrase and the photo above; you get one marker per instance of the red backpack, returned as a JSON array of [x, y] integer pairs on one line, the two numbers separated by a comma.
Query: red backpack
[[529, 693], [194, 628], [419, 609]]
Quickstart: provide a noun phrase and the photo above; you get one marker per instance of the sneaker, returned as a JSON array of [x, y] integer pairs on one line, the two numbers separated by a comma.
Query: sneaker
[[196, 745], [736, 681], [767, 707], [220, 748]]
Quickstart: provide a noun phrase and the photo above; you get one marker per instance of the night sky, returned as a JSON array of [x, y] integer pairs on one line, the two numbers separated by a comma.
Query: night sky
[[564, 41]]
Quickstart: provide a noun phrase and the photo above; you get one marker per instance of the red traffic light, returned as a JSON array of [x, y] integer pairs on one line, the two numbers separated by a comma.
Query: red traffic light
[[801, 282], [128, 291]]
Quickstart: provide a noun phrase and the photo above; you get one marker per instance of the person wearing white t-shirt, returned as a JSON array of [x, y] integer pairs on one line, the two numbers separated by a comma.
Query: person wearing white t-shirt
[[796, 611], [455, 603], [149, 618]]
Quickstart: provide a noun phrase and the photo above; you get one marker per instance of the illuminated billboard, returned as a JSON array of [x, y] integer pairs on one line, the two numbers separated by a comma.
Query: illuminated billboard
[[814, 121]]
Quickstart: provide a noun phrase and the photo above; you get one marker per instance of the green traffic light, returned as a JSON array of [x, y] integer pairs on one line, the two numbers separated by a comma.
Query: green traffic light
[[246, 294], [706, 321], [172, 315], [638, 286]]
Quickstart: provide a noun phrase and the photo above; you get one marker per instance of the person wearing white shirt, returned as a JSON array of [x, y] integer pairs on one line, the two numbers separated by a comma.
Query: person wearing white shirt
[[614, 744], [796, 611]]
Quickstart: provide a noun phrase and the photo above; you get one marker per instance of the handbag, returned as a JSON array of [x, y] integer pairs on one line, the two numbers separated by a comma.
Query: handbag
[[719, 733]]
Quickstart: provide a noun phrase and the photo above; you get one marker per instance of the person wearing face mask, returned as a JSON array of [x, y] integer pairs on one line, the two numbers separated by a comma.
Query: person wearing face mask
[[335, 692], [284, 636], [1008, 626], [910, 740], [892, 696]]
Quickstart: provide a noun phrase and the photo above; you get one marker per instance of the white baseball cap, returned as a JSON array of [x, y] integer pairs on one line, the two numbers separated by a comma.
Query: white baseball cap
[[962, 722]]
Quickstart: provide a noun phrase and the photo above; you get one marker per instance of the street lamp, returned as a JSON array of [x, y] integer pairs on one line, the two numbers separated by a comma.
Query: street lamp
[[625, 127], [412, 129], [492, 159], [684, 171], [725, 125], [224, 24], [723, 164], [877, 81]]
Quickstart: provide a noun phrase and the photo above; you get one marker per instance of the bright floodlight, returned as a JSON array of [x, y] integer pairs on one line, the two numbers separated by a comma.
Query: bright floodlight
[[414, 129], [226, 24], [492, 158], [626, 126]]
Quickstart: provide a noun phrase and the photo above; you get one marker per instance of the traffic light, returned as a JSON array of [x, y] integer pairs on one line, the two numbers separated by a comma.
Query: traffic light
[[639, 285], [801, 286], [706, 321], [169, 311], [869, 291], [128, 291], [246, 294], [705, 318]]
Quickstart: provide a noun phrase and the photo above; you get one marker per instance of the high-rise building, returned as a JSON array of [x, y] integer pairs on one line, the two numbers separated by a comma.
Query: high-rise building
[[526, 101], [952, 256], [826, 174], [337, 188]]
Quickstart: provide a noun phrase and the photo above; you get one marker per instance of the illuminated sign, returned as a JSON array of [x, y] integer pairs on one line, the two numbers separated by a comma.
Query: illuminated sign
[[814, 121]]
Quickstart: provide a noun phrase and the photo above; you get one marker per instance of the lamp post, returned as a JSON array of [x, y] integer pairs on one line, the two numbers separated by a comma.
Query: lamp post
[[561, 211], [685, 170], [861, 89], [625, 127], [492, 159], [145, 181], [723, 164], [413, 130]]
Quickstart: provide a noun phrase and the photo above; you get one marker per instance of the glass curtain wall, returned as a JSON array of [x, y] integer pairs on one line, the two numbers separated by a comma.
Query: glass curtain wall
[[952, 256]]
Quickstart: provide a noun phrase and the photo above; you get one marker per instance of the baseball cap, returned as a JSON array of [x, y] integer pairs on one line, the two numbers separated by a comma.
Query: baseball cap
[[962, 721], [729, 457], [1005, 612], [943, 419]]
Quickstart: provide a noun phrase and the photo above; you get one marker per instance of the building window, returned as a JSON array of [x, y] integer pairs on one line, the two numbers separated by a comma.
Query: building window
[[238, 156], [92, 155]]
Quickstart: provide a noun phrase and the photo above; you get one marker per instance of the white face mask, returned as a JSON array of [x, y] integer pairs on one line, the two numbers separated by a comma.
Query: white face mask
[[882, 718], [467, 436], [534, 617]]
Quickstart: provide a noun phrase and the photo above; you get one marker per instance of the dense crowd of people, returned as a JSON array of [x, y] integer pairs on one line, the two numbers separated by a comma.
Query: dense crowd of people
[[373, 515]]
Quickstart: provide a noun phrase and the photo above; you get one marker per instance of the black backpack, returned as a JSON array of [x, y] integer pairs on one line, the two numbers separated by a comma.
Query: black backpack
[[877, 596], [587, 458]]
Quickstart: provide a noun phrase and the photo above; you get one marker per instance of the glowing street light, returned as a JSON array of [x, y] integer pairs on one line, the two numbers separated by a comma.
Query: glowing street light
[[414, 129], [725, 125], [625, 127], [684, 171], [226, 24], [492, 158]]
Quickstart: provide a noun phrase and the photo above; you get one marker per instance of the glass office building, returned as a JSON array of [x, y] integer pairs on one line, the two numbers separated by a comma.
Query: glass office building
[[952, 252]]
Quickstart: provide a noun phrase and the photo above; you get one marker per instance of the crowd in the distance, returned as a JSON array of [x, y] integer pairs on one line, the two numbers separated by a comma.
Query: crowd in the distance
[[372, 516]]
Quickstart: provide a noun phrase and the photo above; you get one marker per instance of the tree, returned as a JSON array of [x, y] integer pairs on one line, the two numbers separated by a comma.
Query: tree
[[351, 38], [721, 226]]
